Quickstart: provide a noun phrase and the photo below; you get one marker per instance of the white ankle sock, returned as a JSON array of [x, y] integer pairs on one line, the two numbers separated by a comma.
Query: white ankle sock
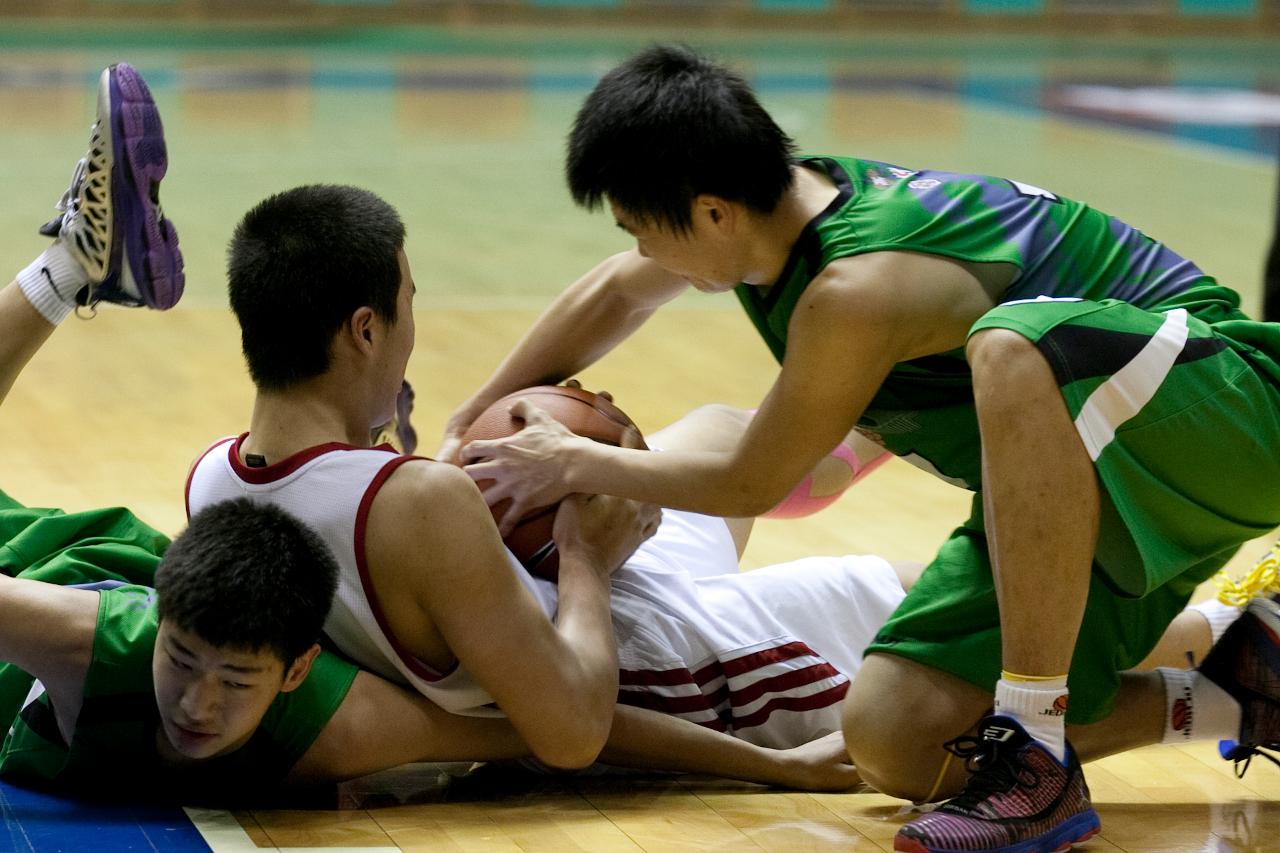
[[1197, 709], [51, 283], [1040, 706], [1218, 615]]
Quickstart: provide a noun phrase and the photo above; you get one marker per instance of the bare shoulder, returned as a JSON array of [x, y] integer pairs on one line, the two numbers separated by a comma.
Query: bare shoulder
[[923, 303], [429, 513], [424, 486]]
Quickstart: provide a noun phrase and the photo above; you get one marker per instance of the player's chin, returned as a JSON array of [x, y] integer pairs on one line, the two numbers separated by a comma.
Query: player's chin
[[193, 744], [703, 285]]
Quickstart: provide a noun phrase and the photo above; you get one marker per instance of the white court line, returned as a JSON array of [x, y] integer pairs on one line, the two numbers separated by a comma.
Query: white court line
[[224, 834]]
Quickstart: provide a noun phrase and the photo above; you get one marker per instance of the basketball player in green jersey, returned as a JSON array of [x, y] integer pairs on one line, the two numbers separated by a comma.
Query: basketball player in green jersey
[[1111, 408]]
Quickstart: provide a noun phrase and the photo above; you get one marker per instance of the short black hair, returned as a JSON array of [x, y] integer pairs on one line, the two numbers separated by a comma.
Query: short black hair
[[669, 125], [299, 264], [248, 576]]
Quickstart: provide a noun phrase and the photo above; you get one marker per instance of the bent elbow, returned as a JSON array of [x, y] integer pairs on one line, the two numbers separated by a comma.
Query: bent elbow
[[576, 739], [576, 749]]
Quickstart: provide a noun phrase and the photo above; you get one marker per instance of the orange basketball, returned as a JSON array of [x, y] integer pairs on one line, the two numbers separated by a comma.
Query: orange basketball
[[583, 412]]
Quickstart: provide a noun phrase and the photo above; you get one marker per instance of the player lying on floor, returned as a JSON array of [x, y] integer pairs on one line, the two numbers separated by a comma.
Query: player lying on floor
[[217, 684], [212, 686]]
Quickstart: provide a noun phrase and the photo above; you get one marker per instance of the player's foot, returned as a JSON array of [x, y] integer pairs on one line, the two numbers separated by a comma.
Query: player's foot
[[1246, 664], [399, 432], [405, 433], [111, 221], [1020, 799]]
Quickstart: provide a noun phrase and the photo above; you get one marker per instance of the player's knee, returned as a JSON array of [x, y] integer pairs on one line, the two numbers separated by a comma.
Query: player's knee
[[994, 353], [897, 753], [885, 749]]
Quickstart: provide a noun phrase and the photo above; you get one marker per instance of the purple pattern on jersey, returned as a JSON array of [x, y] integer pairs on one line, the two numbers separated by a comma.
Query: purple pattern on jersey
[[1065, 248], [1020, 799], [1155, 271]]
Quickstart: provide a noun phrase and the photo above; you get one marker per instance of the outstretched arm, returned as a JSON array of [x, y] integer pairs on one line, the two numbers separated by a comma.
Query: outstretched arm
[[854, 322], [587, 320], [381, 725], [648, 740]]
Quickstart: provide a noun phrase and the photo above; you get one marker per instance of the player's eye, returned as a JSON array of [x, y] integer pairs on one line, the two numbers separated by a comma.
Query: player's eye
[[236, 685], [179, 664]]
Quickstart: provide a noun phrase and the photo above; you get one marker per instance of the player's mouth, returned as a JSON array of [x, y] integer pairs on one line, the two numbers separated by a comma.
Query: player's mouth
[[193, 737]]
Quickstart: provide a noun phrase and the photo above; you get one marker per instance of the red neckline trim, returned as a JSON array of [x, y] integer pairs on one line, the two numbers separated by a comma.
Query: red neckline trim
[[285, 467]]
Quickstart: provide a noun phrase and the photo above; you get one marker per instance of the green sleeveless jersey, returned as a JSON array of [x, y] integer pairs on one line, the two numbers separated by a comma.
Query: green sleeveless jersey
[[113, 751], [1061, 248]]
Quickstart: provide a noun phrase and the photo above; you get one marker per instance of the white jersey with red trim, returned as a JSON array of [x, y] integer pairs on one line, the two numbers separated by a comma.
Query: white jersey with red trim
[[765, 655], [330, 488]]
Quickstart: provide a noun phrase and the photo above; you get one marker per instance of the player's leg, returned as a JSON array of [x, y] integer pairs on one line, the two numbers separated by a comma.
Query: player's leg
[[23, 330], [112, 242], [711, 427], [1041, 502], [1176, 422], [903, 755]]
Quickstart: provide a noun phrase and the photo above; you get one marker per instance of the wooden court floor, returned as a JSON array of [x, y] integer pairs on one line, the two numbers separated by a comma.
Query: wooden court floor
[[114, 409]]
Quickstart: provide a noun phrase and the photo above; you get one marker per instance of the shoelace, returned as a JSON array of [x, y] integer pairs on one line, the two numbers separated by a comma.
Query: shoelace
[[69, 206], [70, 201], [994, 770], [1263, 579]]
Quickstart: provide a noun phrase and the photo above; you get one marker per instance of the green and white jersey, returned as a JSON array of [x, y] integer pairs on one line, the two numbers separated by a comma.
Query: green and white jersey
[[114, 743], [113, 750], [1063, 249]]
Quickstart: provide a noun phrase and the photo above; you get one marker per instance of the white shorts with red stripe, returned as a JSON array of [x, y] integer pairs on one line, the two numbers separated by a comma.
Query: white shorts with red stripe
[[765, 655]]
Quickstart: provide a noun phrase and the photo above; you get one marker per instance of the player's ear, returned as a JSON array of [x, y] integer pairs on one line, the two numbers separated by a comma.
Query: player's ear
[[299, 669], [361, 328], [716, 212]]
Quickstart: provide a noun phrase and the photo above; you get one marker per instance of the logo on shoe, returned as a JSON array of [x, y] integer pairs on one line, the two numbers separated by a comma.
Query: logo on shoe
[[1059, 707], [999, 734]]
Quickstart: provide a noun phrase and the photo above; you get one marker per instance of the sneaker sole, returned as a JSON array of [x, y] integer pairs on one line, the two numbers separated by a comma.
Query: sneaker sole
[[140, 162], [1075, 830]]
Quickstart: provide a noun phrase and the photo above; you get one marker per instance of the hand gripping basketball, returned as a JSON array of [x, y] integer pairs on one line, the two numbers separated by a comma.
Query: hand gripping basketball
[[518, 441]]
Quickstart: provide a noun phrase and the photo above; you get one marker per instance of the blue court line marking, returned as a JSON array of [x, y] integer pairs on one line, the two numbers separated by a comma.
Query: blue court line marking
[[36, 822]]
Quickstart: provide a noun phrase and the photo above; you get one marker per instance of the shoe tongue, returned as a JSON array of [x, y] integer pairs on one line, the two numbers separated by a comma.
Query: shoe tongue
[[1004, 731]]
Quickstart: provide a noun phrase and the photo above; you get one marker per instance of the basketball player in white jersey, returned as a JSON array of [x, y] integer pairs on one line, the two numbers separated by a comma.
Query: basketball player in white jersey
[[428, 595]]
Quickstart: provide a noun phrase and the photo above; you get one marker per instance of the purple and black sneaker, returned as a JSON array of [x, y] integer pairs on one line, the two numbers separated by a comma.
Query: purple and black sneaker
[[1020, 799], [111, 220]]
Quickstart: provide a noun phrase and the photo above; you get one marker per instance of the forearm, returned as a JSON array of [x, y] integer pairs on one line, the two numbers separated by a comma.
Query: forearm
[[648, 740], [584, 323], [585, 626], [380, 725], [709, 482]]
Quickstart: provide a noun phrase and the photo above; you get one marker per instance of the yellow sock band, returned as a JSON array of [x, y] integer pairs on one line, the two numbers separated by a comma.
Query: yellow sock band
[[1013, 676], [937, 783]]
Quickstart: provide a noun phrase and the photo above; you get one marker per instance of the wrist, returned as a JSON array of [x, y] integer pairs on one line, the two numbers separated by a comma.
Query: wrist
[[577, 458]]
